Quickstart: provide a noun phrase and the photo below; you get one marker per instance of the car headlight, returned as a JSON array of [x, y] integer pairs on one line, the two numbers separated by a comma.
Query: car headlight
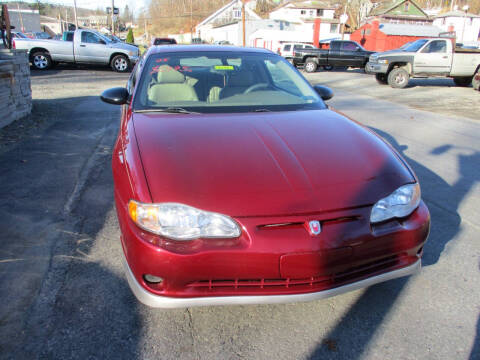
[[383, 61], [132, 53], [402, 202], [182, 222]]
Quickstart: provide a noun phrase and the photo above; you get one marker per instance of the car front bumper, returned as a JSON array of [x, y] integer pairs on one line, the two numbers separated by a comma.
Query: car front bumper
[[265, 265], [166, 302], [376, 68]]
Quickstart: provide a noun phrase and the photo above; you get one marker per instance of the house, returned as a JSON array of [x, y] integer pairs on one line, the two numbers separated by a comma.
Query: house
[[298, 12], [465, 25], [399, 12], [233, 33], [231, 13], [376, 36]]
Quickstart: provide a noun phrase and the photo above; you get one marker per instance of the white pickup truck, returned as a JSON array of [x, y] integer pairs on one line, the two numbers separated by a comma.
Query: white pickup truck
[[426, 58], [86, 47]]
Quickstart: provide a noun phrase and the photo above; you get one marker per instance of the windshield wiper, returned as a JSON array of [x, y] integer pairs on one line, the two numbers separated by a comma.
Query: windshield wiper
[[172, 110], [262, 110]]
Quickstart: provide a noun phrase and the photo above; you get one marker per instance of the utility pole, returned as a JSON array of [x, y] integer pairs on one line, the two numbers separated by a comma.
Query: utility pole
[[75, 13], [191, 20], [113, 17], [243, 22], [21, 19]]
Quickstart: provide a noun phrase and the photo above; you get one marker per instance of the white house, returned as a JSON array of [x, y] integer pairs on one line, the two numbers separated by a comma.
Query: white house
[[301, 11], [231, 13], [465, 25], [233, 33]]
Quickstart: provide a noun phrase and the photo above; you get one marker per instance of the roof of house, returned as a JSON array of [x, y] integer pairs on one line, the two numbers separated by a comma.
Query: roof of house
[[306, 5], [409, 30], [388, 7], [226, 7], [457, 13]]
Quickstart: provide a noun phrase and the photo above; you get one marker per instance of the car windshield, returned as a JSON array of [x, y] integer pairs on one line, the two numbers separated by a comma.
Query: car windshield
[[415, 46], [222, 81]]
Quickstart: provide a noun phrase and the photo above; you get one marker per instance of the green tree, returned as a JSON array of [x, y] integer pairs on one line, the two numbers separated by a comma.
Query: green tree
[[130, 36]]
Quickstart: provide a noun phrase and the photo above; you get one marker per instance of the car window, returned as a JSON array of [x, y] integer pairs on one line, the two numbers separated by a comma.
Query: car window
[[349, 46], [90, 38], [436, 46], [415, 46], [298, 47], [221, 82], [287, 47]]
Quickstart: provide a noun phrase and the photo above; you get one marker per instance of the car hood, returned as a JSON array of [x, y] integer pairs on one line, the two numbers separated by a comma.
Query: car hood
[[123, 46], [280, 163]]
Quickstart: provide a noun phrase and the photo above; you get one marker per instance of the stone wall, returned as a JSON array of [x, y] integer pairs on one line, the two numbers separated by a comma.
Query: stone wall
[[15, 90]]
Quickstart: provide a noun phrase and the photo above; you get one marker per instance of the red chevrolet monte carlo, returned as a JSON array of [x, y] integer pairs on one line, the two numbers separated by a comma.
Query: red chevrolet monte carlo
[[236, 184]]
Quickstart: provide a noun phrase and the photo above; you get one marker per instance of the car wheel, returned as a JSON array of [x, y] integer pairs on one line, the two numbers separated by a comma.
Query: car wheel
[[41, 60], [310, 66], [398, 78], [120, 63], [381, 79], [327, 67], [463, 81], [476, 81]]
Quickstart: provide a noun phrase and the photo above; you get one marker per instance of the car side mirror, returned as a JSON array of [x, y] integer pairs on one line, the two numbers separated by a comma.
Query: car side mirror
[[115, 96], [325, 92]]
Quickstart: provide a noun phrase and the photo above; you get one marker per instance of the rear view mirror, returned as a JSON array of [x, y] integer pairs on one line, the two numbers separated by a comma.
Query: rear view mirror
[[115, 96], [325, 92]]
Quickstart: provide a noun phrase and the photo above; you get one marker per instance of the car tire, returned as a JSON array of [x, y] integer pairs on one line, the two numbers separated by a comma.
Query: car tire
[[41, 60], [327, 67], [398, 78], [310, 66], [381, 79], [476, 81], [120, 63], [463, 81]]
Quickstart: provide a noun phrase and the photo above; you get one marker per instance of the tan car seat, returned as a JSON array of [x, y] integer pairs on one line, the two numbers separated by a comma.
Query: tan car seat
[[171, 86]]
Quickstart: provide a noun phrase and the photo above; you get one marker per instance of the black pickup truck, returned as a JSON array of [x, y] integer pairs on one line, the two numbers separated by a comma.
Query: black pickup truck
[[340, 53]]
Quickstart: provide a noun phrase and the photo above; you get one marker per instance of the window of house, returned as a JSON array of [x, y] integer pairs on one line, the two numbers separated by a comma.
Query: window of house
[[333, 28], [303, 12], [407, 6], [320, 12]]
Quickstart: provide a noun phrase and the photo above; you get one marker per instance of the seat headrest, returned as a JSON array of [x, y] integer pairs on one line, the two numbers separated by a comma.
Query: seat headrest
[[168, 75], [240, 78]]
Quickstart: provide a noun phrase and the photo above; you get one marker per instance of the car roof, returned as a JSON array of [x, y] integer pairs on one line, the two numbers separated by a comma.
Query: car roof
[[203, 48]]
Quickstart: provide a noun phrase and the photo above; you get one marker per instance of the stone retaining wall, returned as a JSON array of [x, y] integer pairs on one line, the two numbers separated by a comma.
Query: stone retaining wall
[[15, 90]]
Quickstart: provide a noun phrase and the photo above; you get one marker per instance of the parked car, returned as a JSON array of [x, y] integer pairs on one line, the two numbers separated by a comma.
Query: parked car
[[18, 35], [287, 49], [425, 58], [341, 53], [38, 35], [163, 41], [234, 183], [87, 47], [222, 42]]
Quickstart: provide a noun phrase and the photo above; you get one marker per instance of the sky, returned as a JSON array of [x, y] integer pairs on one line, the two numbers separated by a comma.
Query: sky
[[136, 6]]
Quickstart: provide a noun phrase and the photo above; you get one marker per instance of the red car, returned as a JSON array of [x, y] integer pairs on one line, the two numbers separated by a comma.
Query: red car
[[236, 184]]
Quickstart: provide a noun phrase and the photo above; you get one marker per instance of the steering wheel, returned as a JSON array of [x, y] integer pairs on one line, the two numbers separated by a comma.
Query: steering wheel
[[256, 87]]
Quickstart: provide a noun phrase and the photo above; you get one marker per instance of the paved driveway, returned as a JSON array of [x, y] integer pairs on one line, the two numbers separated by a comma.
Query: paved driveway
[[62, 286]]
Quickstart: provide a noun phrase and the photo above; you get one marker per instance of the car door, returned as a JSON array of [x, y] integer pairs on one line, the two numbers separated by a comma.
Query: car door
[[91, 49], [433, 58], [334, 54], [350, 55]]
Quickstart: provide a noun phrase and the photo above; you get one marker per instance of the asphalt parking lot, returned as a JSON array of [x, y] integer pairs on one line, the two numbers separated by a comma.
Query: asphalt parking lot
[[61, 279]]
